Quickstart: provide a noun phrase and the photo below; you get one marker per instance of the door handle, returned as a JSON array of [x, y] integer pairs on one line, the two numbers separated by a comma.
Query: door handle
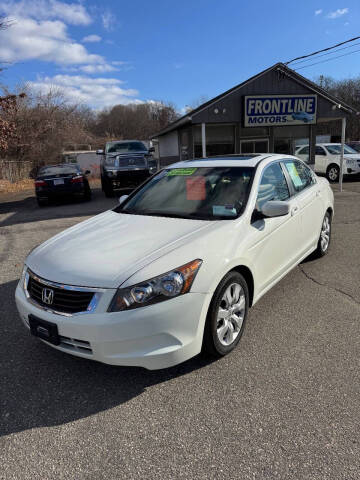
[[318, 193], [294, 210]]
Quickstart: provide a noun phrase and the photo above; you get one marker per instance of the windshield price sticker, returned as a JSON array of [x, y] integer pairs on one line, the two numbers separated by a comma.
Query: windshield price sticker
[[224, 210], [195, 188], [181, 172]]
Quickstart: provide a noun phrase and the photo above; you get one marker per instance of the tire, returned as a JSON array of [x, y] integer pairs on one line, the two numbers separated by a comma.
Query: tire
[[333, 173], [222, 333], [324, 238], [107, 188], [41, 203], [87, 193]]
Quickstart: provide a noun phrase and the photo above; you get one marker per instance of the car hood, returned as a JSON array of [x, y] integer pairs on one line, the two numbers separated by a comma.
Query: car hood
[[106, 250]]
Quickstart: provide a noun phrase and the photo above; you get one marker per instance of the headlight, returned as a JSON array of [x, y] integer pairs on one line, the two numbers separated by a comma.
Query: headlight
[[157, 289]]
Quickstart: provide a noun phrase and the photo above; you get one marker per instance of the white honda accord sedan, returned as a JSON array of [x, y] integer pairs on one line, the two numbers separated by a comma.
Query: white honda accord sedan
[[175, 267]]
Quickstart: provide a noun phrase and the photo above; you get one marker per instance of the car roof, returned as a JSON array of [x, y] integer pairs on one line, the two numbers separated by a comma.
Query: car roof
[[322, 144], [237, 160]]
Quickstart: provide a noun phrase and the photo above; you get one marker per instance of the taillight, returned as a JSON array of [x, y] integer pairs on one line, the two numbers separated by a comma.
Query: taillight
[[78, 179], [40, 183]]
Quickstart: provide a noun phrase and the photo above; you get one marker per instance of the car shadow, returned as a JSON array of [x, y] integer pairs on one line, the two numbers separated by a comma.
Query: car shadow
[[26, 210], [44, 387]]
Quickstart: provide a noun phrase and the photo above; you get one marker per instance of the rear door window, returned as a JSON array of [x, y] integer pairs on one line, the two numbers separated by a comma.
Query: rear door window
[[319, 151], [303, 151], [301, 176]]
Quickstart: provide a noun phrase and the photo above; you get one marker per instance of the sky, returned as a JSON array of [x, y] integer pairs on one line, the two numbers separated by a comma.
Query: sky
[[102, 53]]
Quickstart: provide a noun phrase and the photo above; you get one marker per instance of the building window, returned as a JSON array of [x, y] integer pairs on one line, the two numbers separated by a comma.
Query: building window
[[220, 140], [254, 145]]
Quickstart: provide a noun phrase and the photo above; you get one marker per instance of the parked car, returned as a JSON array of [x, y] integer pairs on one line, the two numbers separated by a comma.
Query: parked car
[[60, 181], [125, 164], [354, 145], [328, 157], [304, 116], [175, 267]]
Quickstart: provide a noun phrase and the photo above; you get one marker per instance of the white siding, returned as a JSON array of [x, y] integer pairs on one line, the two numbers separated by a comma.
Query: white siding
[[169, 144]]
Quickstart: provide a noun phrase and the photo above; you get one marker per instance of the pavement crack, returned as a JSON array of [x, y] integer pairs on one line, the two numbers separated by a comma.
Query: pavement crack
[[312, 279]]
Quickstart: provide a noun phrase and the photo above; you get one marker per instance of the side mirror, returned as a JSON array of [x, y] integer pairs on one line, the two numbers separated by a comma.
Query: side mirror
[[275, 208], [100, 152], [151, 149], [87, 172], [122, 199]]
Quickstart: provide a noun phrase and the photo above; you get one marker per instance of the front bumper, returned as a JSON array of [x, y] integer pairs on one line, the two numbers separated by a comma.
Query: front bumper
[[154, 337], [127, 178]]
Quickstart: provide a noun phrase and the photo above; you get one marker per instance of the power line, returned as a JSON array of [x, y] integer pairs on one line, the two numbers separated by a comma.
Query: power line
[[323, 50], [328, 60], [329, 53]]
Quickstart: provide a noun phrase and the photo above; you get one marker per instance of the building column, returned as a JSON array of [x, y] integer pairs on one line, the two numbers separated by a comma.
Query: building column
[[312, 146], [203, 139], [343, 130]]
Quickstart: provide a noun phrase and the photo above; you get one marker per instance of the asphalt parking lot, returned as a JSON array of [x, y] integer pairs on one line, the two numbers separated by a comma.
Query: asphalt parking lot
[[285, 404]]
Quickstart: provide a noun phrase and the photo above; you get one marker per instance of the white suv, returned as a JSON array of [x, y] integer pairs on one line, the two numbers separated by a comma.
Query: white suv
[[327, 159]]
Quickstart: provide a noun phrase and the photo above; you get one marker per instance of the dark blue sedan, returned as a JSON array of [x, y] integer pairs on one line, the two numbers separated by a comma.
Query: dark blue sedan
[[61, 181]]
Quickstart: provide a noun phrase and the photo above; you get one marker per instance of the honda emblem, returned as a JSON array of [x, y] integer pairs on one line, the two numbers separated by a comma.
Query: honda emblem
[[47, 296]]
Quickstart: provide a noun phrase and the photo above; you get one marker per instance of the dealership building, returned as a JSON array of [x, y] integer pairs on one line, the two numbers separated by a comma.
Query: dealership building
[[273, 111]]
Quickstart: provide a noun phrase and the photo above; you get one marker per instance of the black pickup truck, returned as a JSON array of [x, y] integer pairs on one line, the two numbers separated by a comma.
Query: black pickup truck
[[125, 164]]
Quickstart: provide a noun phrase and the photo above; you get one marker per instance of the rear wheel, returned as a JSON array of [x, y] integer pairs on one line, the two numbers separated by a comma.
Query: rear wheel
[[333, 173], [227, 315], [87, 193], [325, 237], [41, 202]]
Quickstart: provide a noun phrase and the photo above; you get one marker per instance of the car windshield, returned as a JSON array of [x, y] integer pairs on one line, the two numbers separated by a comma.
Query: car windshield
[[336, 149], [210, 193], [125, 147], [58, 170]]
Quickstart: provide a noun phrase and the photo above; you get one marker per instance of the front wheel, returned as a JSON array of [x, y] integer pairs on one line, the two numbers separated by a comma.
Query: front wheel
[[333, 173], [227, 315], [325, 237], [107, 187]]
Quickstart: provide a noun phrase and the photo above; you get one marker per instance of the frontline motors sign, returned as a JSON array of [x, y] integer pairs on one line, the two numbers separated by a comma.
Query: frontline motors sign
[[280, 110]]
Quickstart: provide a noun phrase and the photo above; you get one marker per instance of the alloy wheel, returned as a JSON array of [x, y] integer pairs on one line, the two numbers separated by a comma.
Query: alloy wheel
[[333, 174], [231, 314], [325, 234]]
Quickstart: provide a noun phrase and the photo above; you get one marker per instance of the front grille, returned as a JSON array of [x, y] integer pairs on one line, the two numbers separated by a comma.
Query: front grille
[[67, 301]]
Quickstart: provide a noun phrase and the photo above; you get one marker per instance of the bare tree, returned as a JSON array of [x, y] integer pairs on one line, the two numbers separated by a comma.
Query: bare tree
[[347, 90], [134, 121], [196, 103], [42, 123]]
